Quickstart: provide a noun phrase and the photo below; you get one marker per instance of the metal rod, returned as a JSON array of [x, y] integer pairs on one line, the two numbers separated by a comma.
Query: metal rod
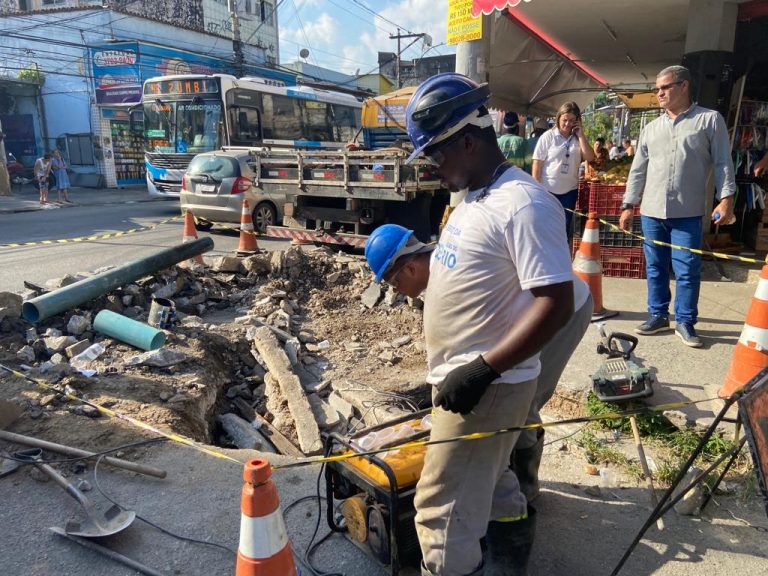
[[87, 289], [646, 469], [69, 450], [116, 556], [683, 470]]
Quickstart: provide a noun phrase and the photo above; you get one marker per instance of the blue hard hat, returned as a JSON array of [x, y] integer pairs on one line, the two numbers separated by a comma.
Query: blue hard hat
[[383, 245], [440, 103]]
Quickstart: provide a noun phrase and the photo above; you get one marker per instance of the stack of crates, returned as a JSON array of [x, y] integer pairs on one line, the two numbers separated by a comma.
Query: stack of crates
[[621, 254]]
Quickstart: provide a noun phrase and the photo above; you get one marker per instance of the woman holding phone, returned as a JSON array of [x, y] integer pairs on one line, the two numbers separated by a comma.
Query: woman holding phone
[[557, 157]]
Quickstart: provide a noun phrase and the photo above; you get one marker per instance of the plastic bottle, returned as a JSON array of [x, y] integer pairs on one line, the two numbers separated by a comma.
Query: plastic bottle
[[730, 220], [91, 353], [606, 478]]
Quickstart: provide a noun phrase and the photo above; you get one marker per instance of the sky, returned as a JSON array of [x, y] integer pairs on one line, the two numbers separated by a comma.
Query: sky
[[346, 35]]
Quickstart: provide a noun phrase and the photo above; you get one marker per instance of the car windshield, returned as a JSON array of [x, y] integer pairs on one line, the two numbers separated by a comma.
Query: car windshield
[[183, 126]]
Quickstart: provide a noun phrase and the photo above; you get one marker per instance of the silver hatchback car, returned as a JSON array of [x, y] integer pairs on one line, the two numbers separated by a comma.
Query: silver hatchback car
[[215, 185]]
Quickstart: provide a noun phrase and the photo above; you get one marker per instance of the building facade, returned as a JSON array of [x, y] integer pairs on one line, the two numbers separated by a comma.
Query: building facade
[[91, 62]]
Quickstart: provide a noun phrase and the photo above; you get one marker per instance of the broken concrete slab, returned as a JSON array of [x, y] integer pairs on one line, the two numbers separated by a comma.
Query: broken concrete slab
[[279, 366], [243, 433], [344, 408], [325, 415], [78, 324], [257, 264], [58, 343], [10, 305], [26, 354], [77, 348], [371, 296]]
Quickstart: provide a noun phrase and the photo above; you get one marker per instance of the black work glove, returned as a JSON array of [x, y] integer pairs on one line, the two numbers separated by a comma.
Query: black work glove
[[464, 386]]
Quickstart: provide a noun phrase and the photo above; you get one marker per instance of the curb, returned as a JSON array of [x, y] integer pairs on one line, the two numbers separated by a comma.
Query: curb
[[76, 205]]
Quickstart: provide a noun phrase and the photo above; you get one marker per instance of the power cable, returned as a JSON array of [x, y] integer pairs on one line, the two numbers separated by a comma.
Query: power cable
[[303, 31], [377, 15], [98, 455], [149, 522]]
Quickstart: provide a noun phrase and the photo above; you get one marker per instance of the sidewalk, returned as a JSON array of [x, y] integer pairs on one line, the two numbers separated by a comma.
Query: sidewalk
[[26, 198]]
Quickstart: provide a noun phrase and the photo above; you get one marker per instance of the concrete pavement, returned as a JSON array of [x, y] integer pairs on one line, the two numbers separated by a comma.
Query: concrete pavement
[[26, 198]]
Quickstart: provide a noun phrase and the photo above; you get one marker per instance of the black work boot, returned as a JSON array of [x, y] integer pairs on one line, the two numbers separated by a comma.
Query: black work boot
[[509, 546], [525, 464]]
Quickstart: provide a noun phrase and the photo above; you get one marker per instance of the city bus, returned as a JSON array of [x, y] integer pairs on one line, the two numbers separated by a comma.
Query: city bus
[[189, 114]]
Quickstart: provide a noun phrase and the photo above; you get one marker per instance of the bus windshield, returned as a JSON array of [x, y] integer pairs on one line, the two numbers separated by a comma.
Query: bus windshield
[[183, 126]]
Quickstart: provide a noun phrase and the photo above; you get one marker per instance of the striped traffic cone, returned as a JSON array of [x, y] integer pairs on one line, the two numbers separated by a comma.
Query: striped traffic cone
[[264, 546], [190, 234], [750, 355], [586, 265], [248, 243]]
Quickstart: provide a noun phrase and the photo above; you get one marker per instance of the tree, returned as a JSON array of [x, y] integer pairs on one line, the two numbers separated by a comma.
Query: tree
[[597, 125], [32, 74]]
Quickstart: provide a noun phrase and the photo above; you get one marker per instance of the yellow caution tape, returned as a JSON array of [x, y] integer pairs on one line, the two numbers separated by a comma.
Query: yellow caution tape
[[89, 238], [224, 226], [138, 423], [341, 457], [719, 255], [481, 435]]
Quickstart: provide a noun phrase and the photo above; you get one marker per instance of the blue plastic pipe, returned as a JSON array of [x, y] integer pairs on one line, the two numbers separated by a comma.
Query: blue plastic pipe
[[129, 331], [75, 294]]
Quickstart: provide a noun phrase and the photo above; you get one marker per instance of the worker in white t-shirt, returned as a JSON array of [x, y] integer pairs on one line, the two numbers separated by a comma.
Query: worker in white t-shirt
[[500, 288]]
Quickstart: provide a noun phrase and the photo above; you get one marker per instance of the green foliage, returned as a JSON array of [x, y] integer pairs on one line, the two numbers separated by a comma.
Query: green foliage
[[649, 423], [597, 125], [32, 74], [598, 452]]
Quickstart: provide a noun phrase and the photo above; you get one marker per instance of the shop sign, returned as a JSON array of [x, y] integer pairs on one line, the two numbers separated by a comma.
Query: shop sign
[[119, 70], [462, 25]]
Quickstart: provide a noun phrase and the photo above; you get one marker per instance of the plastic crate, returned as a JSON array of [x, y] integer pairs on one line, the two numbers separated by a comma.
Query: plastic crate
[[604, 199], [619, 262], [611, 237]]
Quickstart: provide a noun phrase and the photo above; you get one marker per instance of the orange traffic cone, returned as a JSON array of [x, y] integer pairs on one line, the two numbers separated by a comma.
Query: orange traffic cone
[[190, 234], [750, 355], [587, 266], [248, 243], [264, 546]]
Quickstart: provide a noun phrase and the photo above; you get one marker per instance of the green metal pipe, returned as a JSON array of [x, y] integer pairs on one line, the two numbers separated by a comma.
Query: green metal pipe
[[129, 331], [87, 289]]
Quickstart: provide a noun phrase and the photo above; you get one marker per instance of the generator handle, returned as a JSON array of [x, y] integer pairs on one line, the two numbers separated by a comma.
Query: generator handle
[[611, 345]]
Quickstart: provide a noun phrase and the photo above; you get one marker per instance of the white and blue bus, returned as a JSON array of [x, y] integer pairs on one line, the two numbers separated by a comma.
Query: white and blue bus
[[189, 114]]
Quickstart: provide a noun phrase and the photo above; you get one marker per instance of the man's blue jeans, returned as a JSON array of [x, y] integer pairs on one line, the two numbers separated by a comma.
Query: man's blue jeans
[[686, 266]]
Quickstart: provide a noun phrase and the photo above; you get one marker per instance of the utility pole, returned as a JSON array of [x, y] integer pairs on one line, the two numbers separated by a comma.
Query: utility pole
[[237, 43], [398, 36], [5, 181]]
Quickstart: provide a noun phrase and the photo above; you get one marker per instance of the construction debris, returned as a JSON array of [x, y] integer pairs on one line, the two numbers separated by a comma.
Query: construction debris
[[324, 355]]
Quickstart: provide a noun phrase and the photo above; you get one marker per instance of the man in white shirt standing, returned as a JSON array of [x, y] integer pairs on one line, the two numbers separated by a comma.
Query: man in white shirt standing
[[676, 155], [500, 287]]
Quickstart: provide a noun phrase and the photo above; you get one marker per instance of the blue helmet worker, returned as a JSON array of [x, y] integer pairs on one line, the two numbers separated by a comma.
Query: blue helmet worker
[[498, 287]]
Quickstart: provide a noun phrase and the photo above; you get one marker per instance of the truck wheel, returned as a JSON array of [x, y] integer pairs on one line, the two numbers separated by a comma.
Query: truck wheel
[[264, 215]]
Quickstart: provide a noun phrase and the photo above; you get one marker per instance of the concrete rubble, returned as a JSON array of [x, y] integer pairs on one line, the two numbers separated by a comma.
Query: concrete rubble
[[264, 340]]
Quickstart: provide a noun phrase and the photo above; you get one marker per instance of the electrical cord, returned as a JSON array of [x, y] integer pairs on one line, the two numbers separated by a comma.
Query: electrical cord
[[146, 521], [306, 558], [10, 456]]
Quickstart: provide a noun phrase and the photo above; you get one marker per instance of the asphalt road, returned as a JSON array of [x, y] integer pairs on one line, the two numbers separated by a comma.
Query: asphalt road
[[40, 263]]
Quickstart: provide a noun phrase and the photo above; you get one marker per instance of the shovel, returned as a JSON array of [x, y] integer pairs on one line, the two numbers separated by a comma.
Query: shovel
[[97, 523]]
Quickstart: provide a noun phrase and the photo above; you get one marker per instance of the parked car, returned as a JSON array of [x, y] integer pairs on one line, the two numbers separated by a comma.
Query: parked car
[[215, 185], [16, 169]]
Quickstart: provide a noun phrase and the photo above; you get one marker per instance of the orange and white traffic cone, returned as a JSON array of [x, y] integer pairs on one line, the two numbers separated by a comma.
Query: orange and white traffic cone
[[264, 546], [190, 234], [750, 355], [586, 265], [248, 243]]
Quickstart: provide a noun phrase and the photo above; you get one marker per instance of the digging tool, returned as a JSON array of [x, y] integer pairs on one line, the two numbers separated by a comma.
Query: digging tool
[[9, 466], [116, 556], [71, 451], [97, 523], [621, 380]]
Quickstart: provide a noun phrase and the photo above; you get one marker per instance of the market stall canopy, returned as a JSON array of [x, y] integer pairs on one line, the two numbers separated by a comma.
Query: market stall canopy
[[639, 100], [542, 47], [527, 74]]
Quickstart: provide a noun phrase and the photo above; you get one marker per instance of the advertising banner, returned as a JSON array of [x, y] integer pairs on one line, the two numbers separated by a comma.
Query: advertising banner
[[462, 25], [119, 69]]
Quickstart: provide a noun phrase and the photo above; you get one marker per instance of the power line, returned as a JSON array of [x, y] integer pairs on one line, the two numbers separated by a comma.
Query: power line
[[377, 15]]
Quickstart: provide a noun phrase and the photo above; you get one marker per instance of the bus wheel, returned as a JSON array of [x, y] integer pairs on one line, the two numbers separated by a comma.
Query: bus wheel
[[264, 215]]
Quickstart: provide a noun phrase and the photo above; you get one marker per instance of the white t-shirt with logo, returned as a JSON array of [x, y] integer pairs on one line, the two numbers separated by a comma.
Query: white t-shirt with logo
[[561, 157], [493, 250]]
